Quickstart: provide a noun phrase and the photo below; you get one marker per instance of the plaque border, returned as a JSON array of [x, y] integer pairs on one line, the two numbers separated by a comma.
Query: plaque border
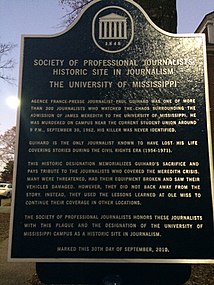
[[200, 36]]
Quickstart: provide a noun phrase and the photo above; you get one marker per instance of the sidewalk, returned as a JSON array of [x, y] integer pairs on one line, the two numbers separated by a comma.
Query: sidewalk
[[5, 203], [13, 273], [4, 209]]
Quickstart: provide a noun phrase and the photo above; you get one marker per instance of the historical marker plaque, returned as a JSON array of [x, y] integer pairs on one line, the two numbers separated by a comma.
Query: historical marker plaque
[[114, 152]]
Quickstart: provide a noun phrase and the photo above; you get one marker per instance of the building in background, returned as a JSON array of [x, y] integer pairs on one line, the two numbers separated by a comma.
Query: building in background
[[207, 27]]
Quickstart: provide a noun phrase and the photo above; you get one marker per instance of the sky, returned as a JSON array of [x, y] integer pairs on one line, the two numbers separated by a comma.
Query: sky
[[19, 17]]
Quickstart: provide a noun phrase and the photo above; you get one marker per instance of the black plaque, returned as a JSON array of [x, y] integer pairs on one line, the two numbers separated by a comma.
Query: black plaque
[[114, 149]]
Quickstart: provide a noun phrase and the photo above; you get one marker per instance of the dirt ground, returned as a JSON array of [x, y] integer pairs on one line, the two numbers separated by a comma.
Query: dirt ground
[[4, 226], [201, 274]]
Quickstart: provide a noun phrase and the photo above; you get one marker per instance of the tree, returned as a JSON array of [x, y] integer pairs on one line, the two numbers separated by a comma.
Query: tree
[[7, 173], [72, 9], [7, 145], [162, 12], [6, 64]]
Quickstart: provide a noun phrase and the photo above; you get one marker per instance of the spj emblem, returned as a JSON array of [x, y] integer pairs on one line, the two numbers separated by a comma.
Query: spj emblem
[[112, 29]]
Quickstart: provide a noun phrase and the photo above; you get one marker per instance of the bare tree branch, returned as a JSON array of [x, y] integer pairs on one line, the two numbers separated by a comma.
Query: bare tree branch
[[5, 63], [72, 9], [7, 145]]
